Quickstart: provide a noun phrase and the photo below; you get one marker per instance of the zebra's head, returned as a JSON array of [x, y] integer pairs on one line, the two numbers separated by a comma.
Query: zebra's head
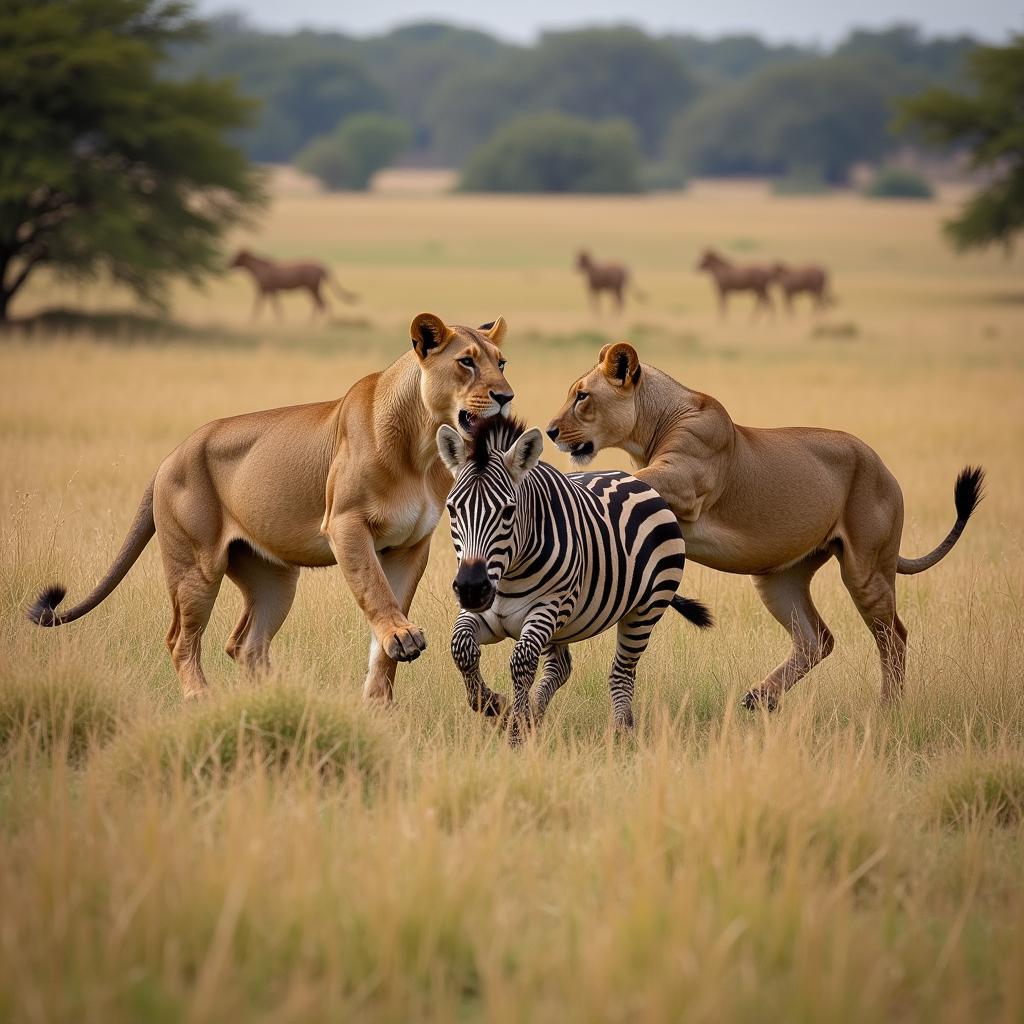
[[488, 472]]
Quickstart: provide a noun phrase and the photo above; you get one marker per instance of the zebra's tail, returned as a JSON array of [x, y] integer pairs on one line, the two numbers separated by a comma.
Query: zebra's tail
[[693, 611]]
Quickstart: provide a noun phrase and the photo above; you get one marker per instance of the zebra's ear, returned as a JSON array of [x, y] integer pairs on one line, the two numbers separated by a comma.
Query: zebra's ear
[[621, 364], [451, 448], [524, 454]]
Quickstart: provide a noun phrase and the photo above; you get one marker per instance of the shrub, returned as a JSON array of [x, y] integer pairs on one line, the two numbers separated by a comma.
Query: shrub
[[899, 183], [556, 153], [663, 176], [273, 726], [351, 155], [801, 180]]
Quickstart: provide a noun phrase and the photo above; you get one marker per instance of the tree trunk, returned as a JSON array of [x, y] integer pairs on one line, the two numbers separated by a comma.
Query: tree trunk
[[9, 284]]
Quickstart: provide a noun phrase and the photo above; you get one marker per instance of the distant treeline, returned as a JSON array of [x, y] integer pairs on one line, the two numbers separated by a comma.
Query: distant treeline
[[733, 105]]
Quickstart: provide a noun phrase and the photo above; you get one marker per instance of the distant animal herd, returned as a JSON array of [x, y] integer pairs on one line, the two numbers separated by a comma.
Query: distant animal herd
[[271, 277]]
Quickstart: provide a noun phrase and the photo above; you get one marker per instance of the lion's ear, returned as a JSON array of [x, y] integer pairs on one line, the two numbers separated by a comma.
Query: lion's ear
[[429, 334], [495, 330], [620, 364], [602, 354], [451, 448]]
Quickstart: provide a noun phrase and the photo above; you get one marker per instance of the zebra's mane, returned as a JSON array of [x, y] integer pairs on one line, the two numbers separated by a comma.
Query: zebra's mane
[[494, 434]]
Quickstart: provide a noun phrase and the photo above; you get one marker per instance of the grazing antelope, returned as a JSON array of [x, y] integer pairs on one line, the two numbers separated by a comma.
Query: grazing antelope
[[811, 279], [729, 277], [549, 559], [605, 277], [271, 278]]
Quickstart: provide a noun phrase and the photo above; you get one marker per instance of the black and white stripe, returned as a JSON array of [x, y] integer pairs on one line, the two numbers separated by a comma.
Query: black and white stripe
[[557, 559]]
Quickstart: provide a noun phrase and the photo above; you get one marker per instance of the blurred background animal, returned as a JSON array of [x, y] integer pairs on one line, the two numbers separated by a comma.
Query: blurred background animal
[[606, 277], [811, 280], [731, 277], [271, 277]]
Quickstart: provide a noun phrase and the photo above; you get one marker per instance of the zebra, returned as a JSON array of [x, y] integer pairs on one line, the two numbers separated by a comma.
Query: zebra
[[549, 559]]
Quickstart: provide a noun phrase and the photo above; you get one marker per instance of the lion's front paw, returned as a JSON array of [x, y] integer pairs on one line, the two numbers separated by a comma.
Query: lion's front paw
[[761, 698], [406, 643]]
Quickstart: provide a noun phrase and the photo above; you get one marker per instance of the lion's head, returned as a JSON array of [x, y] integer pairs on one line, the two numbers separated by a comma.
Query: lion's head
[[463, 370], [600, 411]]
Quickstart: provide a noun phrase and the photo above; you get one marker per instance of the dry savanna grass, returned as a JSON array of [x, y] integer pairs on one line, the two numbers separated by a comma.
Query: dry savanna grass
[[284, 853]]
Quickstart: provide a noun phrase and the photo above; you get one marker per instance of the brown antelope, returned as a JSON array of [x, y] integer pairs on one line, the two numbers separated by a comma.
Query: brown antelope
[[271, 278], [729, 277], [605, 277], [810, 279]]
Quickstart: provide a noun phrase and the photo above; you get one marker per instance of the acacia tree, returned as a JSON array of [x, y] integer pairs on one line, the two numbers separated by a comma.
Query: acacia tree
[[989, 121], [106, 166]]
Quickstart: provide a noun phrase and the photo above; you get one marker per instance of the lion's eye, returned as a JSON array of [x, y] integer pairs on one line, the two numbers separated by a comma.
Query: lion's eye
[[467, 361], [501, 365], [580, 395]]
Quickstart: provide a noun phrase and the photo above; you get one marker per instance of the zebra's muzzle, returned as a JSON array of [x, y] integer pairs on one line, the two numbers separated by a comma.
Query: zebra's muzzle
[[473, 587]]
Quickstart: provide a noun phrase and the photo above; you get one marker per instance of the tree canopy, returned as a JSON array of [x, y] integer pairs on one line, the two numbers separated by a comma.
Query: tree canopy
[[456, 87], [106, 166], [989, 122], [359, 147], [824, 114]]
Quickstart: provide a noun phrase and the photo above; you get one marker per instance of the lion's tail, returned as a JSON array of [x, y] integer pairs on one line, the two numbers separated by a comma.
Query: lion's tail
[[966, 494], [44, 611]]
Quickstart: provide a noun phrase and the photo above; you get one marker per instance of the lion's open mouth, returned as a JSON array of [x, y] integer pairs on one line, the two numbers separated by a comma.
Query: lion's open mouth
[[582, 452]]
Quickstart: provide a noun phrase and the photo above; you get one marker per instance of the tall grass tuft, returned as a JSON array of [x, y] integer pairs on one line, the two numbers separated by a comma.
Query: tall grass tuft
[[272, 726], [62, 713]]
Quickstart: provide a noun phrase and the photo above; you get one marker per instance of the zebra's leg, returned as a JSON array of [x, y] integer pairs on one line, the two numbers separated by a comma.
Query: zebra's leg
[[557, 669], [466, 655], [633, 635], [534, 638]]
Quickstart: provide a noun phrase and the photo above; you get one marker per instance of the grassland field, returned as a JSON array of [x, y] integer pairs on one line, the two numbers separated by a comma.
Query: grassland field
[[282, 852]]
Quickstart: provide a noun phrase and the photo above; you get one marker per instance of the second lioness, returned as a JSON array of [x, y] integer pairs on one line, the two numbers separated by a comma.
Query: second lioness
[[775, 503], [549, 559]]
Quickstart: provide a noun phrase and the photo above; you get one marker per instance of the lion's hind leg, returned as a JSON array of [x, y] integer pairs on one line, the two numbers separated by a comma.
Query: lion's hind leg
[[268, 590], [787, 595], [193, 593], [873, 590]]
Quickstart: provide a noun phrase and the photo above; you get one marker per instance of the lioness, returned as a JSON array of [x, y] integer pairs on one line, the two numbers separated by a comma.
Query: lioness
[[356, 481], [774, 503]]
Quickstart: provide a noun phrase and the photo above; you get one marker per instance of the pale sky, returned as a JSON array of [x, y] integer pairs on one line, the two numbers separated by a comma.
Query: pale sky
[[805, 21]]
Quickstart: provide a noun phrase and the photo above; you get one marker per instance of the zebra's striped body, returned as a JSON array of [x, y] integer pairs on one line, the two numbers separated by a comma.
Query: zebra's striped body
[[556, 559]]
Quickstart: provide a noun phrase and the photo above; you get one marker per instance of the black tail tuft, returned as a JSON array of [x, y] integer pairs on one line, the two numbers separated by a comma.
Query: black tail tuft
[[968, 491], [693, 611], [42, 613]]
